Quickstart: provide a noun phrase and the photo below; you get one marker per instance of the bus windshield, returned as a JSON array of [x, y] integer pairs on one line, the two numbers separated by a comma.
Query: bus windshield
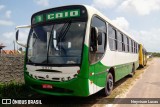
[[56, 43]]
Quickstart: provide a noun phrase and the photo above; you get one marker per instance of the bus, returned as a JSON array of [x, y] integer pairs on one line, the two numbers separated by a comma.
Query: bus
[[142, 56], [75, 50]]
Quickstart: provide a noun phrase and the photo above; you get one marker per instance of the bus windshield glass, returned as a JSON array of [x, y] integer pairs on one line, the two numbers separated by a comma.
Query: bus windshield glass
[[56, 43]]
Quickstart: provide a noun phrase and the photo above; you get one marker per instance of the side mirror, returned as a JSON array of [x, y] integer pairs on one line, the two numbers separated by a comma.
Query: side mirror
[[94, 39], [17, 34], [99, 38]]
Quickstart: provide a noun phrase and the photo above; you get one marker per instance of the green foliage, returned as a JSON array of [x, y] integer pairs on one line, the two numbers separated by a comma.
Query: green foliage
[[154, 54]]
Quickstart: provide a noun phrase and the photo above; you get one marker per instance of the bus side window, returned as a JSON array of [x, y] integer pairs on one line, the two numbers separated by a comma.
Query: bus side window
[[127, 44], [101, 26], [112, 38], [125, 38], [130, 46], [120, 41]]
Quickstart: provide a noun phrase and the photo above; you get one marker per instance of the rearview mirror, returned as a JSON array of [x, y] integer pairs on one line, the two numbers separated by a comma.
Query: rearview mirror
[[99, 38], [94, 39], [17, 34]]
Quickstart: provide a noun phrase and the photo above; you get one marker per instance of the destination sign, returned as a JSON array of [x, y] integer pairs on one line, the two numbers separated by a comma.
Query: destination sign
[[57, 15], [63, 14]]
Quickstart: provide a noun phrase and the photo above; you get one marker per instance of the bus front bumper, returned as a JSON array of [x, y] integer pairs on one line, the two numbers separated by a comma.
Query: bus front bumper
[[74, 87]]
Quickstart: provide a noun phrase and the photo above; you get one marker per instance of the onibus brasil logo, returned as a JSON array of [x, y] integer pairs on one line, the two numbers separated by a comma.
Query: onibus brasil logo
[[14, 101]]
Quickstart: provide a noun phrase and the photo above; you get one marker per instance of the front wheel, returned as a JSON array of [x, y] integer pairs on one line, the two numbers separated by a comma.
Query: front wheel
[[109, 84]]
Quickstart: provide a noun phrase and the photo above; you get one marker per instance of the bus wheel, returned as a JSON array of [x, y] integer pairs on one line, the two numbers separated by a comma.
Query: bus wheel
[[109, 84], [133, 71]]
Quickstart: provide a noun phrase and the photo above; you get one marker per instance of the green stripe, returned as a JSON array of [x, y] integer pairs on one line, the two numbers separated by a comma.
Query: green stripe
[[101, 71]]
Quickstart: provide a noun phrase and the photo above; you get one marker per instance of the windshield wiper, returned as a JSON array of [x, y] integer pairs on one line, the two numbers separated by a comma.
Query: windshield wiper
[[63, 31], [62, 35], [36, 37], [50, 36]]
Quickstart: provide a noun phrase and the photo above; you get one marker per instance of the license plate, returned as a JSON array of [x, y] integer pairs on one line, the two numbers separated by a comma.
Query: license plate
[[47, 86]]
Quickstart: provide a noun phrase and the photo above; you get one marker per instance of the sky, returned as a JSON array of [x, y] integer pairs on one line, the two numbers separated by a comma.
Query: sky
[[140, 18]]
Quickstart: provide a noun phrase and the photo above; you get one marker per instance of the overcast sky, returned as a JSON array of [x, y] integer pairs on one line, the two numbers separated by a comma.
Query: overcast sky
[[140, 18]]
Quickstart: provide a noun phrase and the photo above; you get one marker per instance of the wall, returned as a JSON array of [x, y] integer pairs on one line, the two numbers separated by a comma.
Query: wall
[[11, 68]]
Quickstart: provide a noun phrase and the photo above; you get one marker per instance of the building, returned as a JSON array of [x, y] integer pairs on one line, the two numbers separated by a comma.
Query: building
[[9, 52]]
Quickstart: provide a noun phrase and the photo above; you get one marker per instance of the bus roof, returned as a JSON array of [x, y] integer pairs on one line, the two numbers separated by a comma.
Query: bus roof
[[92, 11]]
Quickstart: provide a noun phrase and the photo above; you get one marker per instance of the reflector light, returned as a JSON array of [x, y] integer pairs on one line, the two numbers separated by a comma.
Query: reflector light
[[90, 74], [91, 82], [78, 71]]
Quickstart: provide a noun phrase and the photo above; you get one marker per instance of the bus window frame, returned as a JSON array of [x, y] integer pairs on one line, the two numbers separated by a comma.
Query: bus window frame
[[115, 39], [56, 65], [106, 24]]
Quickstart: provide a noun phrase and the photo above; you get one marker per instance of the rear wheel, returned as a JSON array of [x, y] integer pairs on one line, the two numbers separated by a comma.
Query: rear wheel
[[109, 84], [133, 71]]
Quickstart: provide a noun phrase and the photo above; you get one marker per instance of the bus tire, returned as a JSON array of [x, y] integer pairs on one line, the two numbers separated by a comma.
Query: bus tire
[[109, 84], [133, 71]]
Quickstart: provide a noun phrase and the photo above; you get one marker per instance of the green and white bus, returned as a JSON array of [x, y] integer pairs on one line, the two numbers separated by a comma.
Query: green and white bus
[[76, 51]]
